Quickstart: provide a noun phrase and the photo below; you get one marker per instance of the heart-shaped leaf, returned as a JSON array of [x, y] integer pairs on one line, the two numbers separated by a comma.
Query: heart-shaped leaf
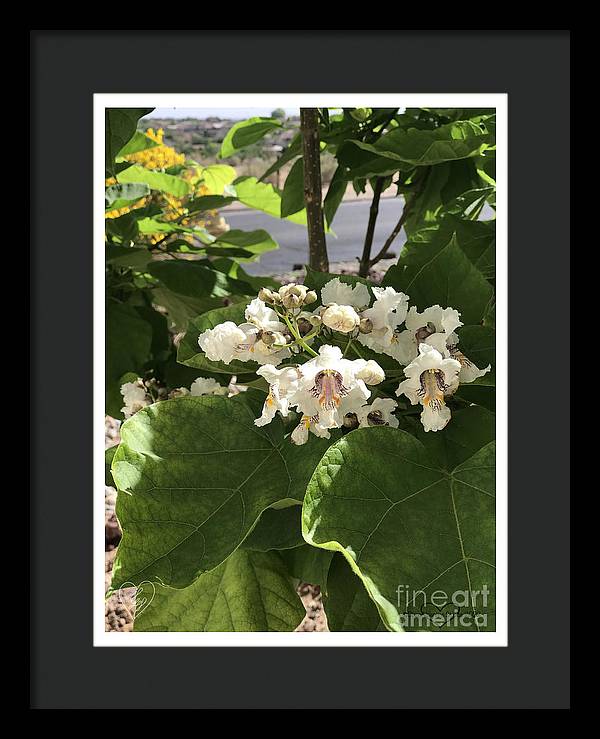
[[194, 475], [412, 517], [433, 269], [250, 591]]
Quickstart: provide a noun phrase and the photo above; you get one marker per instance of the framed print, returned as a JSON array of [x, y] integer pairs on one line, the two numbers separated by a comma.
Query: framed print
[[291, 313]]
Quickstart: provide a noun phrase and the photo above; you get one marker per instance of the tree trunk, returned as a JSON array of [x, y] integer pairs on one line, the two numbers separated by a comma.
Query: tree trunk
[[317, 248]]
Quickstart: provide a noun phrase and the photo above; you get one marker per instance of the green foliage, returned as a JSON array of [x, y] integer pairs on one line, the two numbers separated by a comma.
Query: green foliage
[[194, 475], [120, 125], [128, 342], [348, 605], [222, 518], [155, 180], [424, 519], [292, 198], [245, 133], [434, 270], [250, 591]]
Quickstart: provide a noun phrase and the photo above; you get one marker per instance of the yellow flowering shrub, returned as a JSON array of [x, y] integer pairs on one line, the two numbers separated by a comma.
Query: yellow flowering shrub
[[158, 157], [173, 208]]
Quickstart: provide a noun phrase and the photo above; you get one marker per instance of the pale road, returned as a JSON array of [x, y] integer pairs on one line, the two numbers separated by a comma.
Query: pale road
[[349, 225]]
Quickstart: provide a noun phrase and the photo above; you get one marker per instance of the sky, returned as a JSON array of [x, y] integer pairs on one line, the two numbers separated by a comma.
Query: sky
[[231, 113]]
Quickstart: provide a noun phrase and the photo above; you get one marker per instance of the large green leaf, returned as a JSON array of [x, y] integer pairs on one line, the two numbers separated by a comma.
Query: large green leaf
[[120, 125], [277, 528], [128, 343], [263, 196], [217, 177], [422, 148], [196, 279], [194, 475], [292, 198], [335, 195], [412, 516], [348, 606], [208, 202], [477, 239], [182, 308], [250, 591], [255, 242], [155, 180], [245, 133], [138, 142], [433, 269], [308, 564]]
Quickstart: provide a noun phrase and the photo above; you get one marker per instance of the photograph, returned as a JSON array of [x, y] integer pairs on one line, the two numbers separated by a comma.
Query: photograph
[[296, 356]]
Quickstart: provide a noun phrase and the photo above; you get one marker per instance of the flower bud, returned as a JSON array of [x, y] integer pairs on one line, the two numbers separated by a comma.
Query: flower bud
[[310, 297], [371, 373], [291, 301], [316, 320], [304, 326], [375, 418], [268, 337], [341, 318], [350, 421], [265, 295], [365, 326]]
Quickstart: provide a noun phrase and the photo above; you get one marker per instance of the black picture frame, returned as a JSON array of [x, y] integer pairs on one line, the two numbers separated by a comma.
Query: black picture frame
[[67, 67]]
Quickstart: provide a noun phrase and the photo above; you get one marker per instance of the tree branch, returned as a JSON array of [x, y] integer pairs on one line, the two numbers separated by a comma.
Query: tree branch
[[317, 247], [365, 260], [403, 218]]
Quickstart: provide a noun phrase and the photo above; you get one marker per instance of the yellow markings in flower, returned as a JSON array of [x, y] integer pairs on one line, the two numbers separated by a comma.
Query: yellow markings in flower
[[329, 388], [433, 387], [460, 357]]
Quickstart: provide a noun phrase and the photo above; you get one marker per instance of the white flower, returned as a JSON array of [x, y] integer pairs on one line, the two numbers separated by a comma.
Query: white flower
[[259, 314], [429, 378], [220, 343], [207, 386], [329, 387], [371, 373], [308, 423], [386, 314], [378, 413], [283, 383], [226, 342], [134, 397], [435, 325], [341, 318], [336, 291]]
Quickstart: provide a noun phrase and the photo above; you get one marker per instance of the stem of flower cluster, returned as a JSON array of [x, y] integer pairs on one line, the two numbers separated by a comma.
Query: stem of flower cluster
[[296, 335]]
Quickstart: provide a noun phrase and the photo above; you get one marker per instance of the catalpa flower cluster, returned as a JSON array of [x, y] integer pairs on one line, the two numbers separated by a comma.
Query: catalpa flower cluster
[[305, 355]]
